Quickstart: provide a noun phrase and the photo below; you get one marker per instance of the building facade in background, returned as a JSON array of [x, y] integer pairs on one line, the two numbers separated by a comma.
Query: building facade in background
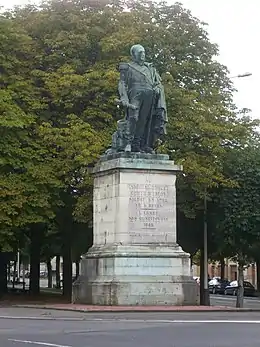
[[214, 270]]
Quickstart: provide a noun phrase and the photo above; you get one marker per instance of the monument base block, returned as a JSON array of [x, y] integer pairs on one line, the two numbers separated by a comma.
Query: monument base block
[[135, 259], [136, 275]]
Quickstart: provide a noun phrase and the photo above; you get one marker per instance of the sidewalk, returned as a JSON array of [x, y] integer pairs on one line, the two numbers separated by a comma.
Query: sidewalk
[[101, 309]]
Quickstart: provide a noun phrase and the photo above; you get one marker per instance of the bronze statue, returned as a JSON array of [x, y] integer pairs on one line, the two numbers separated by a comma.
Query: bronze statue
[[142, 96]]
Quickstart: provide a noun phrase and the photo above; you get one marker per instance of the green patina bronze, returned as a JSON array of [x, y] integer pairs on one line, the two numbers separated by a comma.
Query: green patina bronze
[[142, 97]]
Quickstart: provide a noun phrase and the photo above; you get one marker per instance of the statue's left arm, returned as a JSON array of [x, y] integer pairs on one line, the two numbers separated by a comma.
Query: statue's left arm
[[161, 102], [123, 84], [160, 90], [158, 79]]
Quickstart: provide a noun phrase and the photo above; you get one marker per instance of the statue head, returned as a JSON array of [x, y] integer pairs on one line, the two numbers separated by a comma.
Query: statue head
[[138, 53]]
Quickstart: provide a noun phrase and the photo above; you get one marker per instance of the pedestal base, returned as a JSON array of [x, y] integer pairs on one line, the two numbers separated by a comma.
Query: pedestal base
[[136, 275], [135, 259]]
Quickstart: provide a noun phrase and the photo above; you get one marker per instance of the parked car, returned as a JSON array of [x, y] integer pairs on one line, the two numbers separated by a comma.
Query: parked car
[[218, 285], [249, 289]]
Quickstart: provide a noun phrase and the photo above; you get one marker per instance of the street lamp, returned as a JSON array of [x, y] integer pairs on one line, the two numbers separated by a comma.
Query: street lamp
[[246, 74], [205, 299]]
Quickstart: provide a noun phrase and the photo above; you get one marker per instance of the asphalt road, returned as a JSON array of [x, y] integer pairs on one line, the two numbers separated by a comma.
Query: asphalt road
[[68, 329], [229, 300]]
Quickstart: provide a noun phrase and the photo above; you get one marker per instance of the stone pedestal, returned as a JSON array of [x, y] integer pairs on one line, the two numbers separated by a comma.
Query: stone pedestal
[[135, 259]]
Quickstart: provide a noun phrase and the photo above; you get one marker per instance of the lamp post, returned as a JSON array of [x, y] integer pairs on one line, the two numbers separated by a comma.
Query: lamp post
[[206, 299], [245, 74]]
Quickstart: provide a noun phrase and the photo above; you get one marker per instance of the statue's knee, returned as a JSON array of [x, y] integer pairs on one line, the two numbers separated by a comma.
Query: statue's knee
[[134, 117]]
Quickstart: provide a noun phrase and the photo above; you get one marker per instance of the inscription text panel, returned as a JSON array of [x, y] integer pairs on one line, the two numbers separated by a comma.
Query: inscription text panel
[[151, 211]]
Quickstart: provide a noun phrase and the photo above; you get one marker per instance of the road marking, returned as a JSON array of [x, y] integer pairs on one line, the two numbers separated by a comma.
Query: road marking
[[43, 318], [125, 320], [170, 321], [38, 343], [218, 321]]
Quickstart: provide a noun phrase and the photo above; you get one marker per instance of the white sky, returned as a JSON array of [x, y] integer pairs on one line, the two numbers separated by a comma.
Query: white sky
[[234, 25]]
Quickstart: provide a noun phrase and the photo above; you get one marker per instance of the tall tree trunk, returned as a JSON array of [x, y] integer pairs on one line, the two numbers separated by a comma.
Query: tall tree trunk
[[14, 272], [204, 295], [19, 264], [3, 274], [23, 277], [49, 270], [66, 225], [77, 268], [9, 272], [222, 268], [202, 277], [240, 289], [67, 268], [258, 274], [5, 284], [35, 259], [57, 271], [191, 264]]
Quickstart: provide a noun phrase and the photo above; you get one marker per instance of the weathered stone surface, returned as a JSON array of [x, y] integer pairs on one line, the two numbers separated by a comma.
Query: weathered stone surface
[[135, 259], [144, 162], [134, 155]]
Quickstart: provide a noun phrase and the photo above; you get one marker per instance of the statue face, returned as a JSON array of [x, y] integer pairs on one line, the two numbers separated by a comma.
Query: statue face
[[140, 54]]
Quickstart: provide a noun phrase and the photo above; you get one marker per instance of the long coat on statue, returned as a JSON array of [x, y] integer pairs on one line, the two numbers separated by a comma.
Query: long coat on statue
[[140, 86]]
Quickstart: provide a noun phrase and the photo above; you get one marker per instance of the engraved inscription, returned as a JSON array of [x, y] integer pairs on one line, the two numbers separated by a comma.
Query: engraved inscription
[[150, 206]]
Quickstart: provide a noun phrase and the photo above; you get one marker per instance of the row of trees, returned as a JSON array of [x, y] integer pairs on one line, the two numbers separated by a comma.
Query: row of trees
[[58, 86]]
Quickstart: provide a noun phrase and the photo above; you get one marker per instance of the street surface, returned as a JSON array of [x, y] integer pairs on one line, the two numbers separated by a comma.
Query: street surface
[[32, 327]]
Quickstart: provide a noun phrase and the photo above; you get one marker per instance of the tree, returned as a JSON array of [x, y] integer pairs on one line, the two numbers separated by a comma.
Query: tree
[[51, 247], [27, 182], [57, 150], [239, 206], [76, 47], [82, 241], [73, 147]]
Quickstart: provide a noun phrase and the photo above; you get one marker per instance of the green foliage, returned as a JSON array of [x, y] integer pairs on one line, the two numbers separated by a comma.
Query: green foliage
[[59, 77], [25, 177], [239, 206]]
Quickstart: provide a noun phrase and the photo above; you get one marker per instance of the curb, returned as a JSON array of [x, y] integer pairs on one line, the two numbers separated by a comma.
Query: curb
[[153, 310]]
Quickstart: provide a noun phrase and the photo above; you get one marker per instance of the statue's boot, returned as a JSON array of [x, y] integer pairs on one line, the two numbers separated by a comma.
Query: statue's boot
[[128, 148], [136, 145], [147, 149]]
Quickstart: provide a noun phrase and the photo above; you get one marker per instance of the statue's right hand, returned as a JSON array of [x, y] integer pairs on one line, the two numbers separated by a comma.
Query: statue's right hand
[[157, 90], [125, 103]]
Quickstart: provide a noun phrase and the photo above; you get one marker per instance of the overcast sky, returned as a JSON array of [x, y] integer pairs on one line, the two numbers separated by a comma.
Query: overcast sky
[[234, 25]]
